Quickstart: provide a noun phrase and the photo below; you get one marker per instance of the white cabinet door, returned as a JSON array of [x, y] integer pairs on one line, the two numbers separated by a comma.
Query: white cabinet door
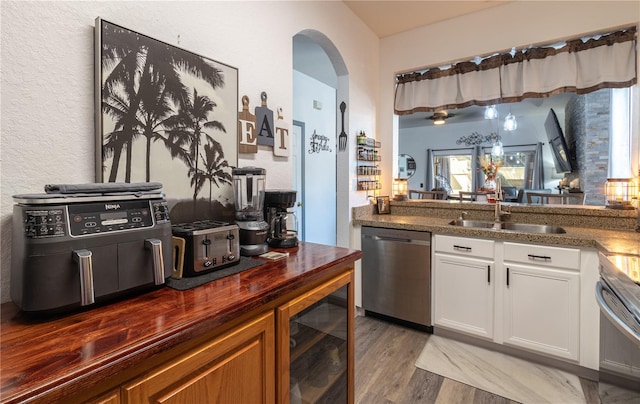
[[542, 310], [463, 294]]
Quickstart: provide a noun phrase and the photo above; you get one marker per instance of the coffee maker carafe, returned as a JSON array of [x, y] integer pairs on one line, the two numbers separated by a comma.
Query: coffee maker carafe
[[248, 187], [277, 212]]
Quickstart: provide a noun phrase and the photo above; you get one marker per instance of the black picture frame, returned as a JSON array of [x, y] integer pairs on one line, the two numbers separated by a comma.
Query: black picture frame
[[383, 205], [168, 115]]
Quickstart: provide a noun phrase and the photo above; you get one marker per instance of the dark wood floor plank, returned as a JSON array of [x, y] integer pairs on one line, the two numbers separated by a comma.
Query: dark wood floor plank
[[369, 342], [452, 391], [376, 372], [371, 398], [367, 333], [484, 397], [590, 390], [422, 388], [400, 354]]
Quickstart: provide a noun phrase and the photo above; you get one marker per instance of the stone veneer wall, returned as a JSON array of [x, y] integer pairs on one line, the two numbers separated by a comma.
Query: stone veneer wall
[[587, 123]]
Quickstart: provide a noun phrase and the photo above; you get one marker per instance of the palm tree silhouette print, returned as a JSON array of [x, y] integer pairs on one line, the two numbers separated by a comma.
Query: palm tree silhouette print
[[214, 165], [144, 80], [185, 134]]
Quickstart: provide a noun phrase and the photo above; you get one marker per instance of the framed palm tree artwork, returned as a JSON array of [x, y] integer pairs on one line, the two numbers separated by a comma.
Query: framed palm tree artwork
[[164, 114]]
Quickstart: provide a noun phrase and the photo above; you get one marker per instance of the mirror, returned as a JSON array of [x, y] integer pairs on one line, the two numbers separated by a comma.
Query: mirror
[[406, 166], [417, 133]]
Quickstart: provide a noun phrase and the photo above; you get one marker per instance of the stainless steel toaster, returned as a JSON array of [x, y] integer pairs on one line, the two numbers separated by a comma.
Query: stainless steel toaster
[[73, 250], [208, 245]]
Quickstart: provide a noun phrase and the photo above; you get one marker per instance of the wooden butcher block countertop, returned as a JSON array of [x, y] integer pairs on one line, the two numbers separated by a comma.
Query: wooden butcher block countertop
[[51, 358]]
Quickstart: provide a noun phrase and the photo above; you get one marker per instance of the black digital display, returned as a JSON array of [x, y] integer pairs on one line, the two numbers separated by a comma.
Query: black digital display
[[113, 215]]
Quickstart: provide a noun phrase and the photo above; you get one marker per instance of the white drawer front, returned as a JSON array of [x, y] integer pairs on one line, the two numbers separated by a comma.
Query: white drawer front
[[559, 257], [471, 247]]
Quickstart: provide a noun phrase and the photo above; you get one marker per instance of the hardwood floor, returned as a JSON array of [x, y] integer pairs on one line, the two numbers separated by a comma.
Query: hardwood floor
[[385, 355]]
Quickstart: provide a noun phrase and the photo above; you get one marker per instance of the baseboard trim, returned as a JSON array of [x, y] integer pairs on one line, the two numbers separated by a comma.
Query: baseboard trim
[[620, 380]]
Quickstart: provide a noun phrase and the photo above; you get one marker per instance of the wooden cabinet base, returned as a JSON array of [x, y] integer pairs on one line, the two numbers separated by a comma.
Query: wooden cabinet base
[[236, 367]]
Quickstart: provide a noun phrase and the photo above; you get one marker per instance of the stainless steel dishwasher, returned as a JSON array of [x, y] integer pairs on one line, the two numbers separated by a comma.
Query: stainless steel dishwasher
[[396, 275]]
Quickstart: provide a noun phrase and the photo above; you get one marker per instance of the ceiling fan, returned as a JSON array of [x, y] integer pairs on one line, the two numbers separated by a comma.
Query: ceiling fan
[[439, 117]]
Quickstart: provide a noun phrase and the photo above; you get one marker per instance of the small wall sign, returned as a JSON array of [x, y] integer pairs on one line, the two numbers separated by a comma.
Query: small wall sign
[[318, 143]]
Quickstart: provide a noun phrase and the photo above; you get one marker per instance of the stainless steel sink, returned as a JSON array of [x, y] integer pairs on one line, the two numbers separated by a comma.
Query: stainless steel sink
[[521, 227], [533, 228], [472, 223]]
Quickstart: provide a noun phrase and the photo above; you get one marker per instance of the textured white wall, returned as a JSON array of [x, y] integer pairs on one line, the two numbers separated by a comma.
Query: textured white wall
[[319, 201], [47, 78]]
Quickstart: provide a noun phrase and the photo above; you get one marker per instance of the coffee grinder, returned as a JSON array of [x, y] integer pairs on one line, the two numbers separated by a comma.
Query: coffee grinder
[[277, 207], [248, 188]]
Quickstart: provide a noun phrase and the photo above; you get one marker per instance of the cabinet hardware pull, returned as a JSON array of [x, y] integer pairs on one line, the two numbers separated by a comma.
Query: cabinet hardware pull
[[538, 257], [461, 248], [507, 276], [488, 273]]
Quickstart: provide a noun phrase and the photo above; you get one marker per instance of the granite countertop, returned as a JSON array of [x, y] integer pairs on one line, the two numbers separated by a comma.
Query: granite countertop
[[605, 240]]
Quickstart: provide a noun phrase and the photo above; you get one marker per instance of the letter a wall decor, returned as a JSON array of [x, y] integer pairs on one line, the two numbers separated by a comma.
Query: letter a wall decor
[[264, 121]]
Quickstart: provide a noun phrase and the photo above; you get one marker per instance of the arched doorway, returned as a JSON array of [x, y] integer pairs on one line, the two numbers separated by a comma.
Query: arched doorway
[[320, 84]]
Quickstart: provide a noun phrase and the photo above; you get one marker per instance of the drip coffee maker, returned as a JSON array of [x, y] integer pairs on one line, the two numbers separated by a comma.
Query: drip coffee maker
[[278, 204], [248, 188]]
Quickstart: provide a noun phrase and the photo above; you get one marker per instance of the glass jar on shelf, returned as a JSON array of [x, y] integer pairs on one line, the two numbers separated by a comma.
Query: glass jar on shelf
[[362, 138]]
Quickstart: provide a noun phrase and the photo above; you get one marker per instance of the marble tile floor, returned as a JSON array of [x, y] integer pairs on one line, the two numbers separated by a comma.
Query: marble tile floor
[[386, 355], [504, 375]]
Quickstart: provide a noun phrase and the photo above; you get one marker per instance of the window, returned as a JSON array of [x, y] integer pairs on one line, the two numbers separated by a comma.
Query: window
[[516, 166], [453, 170], [620, 142]]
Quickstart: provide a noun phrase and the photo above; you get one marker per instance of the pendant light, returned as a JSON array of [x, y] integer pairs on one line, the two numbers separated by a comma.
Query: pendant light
[[497, 150], [490, 112], [510, 123]]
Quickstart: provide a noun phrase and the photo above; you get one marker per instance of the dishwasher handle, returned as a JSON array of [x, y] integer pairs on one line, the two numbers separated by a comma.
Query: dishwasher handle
[[401, 240]]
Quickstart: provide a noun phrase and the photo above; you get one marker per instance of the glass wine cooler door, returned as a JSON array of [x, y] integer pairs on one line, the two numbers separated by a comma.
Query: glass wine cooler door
[[320, 351]]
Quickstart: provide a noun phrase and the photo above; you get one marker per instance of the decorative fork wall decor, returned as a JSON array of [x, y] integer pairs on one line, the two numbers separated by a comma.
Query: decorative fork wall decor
[[342, 138]]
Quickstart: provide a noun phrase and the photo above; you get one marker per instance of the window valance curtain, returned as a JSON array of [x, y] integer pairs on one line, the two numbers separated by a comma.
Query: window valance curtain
[[580, 65]]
